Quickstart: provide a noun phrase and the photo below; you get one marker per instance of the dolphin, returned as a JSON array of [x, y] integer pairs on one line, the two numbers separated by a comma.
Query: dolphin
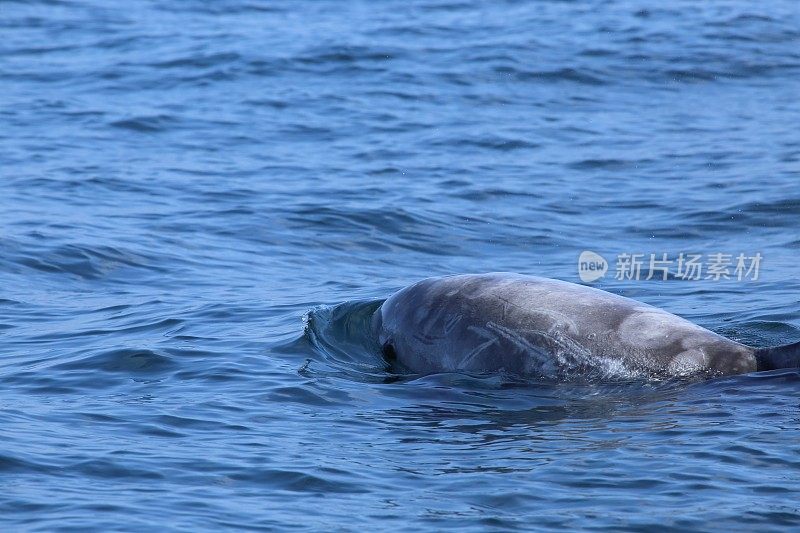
[[545, 328]]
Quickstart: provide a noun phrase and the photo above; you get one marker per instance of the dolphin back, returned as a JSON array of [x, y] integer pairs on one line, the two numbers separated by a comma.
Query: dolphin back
[[546, 328]]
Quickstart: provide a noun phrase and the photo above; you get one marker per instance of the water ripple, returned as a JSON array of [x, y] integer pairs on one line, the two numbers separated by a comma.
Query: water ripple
[[190, 190]]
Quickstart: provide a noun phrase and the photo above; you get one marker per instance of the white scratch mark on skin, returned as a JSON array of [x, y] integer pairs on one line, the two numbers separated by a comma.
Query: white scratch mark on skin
[[475, 352], [566, 356], [451, 323], [539, 354]]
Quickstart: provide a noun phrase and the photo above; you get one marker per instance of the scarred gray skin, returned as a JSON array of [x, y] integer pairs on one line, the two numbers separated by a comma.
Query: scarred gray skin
[[541, 327]]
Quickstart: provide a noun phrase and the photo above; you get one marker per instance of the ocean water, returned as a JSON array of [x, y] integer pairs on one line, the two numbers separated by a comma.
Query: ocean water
[[202, 202]]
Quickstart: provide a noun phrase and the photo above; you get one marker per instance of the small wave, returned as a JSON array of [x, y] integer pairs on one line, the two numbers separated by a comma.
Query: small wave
[[479, 194], [199, 61], [105, 468], [11, 464], [691, 75], [373, 228], [295, 481], [784, 206], [87, 262], [301, 395], [751, 214], [145, 124], [583, 77], [220, 9], [597, 52], [184, 422], [342, 339], [135, 362], [601, 164], [490, 142], [345, 54]]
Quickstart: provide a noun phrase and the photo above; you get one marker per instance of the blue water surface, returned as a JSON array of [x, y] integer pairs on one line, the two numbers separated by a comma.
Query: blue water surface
[[201, 203]]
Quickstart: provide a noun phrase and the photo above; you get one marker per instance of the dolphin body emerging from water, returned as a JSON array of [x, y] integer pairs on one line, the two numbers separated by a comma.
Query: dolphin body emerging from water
[[545, 328]]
